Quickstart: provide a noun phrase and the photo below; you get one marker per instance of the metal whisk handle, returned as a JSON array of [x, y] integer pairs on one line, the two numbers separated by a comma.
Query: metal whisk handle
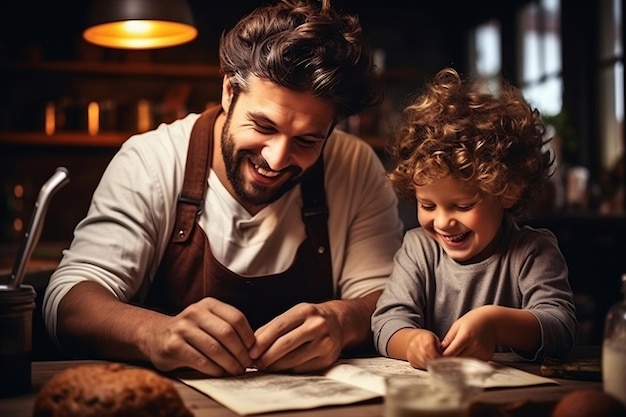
[[33, 232]]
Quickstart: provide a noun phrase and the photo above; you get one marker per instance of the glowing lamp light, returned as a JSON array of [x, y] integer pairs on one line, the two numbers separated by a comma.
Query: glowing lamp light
[[140, 24]]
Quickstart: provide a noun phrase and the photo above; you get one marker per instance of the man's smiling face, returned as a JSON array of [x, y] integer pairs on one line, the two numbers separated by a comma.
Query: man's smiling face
[[271, 136]]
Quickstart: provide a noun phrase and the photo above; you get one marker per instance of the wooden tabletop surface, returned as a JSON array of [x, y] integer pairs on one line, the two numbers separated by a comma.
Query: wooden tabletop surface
[[537, 400]]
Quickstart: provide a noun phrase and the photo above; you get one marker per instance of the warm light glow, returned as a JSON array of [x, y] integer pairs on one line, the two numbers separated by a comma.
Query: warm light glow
[[50, 122], [93, 118], [140, 34], [139, 27], [18, 224], [18, 191], [144, 118]]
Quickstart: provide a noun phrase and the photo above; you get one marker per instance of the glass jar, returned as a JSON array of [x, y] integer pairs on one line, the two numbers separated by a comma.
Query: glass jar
[[16, 318], [614, 349]]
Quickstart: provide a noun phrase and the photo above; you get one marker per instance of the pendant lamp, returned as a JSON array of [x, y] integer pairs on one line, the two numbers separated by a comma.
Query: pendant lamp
[[139, 24]]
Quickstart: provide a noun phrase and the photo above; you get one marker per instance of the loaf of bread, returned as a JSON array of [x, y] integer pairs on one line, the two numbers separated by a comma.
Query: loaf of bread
[[109, 390], [588, 402]]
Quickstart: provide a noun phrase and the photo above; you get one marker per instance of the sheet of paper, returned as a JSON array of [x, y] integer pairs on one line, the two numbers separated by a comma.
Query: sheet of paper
[[358, 377], [504, 376], [257, 392], [347, 382]]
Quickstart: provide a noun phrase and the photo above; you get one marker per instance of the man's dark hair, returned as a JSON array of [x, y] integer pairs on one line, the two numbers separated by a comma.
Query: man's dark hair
[[306, 46]]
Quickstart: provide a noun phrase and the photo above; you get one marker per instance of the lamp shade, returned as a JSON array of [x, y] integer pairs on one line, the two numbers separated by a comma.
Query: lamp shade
[[139, 24]]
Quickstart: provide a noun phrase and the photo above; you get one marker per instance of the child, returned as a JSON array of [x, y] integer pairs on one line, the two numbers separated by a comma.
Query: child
[[470, 281]]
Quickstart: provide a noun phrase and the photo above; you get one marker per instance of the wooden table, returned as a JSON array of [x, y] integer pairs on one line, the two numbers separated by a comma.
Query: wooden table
[[536, 401]]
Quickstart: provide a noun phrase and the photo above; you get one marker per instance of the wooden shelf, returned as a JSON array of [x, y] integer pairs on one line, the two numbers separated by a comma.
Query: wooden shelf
[[157, 69], [105, 139], [33, 69]]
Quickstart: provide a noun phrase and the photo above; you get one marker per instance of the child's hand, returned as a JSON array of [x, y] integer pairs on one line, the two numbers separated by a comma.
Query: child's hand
[[473, 335], [417, 346], [423, 345]]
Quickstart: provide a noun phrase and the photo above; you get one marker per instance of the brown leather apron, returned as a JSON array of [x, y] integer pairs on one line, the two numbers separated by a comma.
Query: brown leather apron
[[189, 272]]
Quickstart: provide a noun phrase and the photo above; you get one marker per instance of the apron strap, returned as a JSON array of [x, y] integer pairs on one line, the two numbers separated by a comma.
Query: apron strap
[[191, 199], [315, 215]]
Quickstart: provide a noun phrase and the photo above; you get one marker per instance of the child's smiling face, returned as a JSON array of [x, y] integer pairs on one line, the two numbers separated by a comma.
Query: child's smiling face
[[463, 221]]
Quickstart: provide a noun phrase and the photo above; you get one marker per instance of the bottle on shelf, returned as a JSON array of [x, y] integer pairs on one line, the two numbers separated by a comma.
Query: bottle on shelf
[[614, 349]]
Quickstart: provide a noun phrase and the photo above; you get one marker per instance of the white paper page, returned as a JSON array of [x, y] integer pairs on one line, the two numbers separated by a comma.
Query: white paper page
[[504, 376], [257, 392], [358, 377]]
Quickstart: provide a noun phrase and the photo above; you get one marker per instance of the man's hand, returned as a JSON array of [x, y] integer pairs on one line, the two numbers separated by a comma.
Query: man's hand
[[209, 336], [305, 338], [310, 337]]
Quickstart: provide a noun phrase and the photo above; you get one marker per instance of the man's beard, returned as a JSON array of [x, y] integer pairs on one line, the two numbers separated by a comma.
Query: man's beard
[[256, 195]]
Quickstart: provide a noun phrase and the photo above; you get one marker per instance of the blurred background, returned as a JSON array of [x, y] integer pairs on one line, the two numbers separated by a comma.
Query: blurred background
[[67, 102]]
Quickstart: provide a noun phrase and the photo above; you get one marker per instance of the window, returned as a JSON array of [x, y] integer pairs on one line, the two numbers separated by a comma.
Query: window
[[485, 57], [611, 82], [540, 54], [541, 79]]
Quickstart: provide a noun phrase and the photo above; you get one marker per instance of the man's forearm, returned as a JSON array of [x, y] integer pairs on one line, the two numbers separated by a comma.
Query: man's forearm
[[354, 317], [92, 321]]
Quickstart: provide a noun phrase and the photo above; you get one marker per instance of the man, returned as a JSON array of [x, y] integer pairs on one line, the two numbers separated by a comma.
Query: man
[[251, 235]]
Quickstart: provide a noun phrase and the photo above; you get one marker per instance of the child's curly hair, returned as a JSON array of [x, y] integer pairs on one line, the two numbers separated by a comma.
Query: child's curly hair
[[493, 140]]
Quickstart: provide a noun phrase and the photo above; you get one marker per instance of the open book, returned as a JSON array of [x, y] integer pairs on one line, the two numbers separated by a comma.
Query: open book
[[348, 381]]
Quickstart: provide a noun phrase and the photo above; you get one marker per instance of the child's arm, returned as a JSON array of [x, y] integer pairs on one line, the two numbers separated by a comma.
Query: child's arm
[[478, 332]]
